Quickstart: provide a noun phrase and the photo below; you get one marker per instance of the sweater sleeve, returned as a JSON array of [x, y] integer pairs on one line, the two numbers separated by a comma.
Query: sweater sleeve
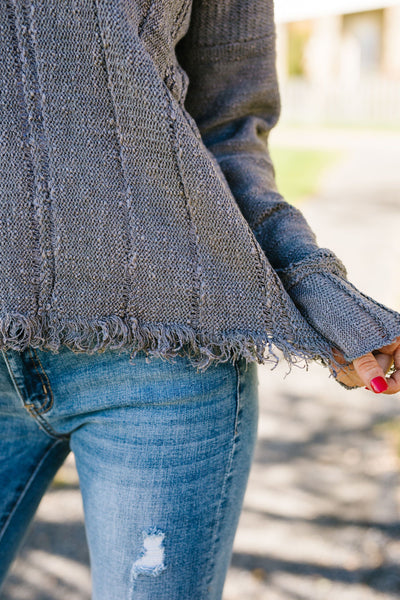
[[229, 56]]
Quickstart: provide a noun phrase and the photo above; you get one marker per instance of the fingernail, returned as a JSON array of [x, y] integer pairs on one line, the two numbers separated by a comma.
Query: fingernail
[[378, 384]]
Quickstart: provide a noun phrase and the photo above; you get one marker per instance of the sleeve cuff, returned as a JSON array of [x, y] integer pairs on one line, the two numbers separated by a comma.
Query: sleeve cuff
[[351, 321]]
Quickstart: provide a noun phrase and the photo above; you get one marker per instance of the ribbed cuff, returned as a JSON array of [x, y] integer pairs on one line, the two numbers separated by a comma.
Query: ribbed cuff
[[351, 321]]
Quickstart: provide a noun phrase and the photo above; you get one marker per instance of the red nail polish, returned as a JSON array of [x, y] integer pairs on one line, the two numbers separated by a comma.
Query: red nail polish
[[378, 384]]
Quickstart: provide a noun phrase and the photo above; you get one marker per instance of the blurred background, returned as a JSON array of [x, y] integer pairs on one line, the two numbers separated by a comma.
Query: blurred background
[[321, 519], [339, 61]]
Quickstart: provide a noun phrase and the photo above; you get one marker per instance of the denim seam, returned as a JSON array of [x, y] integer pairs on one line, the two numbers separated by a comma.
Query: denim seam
[[42, 373], [44, 425], [227, 473], [31, 407], [26, 487], [238, 397], [16, 385]]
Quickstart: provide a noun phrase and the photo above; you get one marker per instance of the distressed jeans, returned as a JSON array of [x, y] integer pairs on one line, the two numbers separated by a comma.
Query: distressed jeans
[[163, 452]]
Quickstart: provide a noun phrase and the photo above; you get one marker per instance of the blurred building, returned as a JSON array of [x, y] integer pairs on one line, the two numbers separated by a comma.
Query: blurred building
[[339, 61]]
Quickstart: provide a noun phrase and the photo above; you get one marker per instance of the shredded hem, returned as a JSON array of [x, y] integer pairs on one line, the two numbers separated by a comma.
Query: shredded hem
[[49, 332]]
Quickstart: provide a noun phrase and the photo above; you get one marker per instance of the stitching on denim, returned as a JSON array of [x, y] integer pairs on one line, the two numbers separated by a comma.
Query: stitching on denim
[[31, 407], [44, 425], [238, 365], [227, 475], [11, 372], [26, 487], [42, 373]]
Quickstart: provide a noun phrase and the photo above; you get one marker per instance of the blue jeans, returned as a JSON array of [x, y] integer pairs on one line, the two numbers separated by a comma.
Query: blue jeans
[[163, 452]]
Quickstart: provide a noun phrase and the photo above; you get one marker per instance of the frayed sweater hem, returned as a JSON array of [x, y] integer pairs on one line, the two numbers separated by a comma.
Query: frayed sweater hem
[[46, 332]]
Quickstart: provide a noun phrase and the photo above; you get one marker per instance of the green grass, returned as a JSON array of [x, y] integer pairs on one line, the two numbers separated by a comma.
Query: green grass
[[299, 171]]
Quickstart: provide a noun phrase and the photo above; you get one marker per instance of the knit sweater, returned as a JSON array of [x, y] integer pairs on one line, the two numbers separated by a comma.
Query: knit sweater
[[138, 203]]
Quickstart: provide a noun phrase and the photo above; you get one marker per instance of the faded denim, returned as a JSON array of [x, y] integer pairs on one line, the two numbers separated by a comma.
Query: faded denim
[[163, 453]]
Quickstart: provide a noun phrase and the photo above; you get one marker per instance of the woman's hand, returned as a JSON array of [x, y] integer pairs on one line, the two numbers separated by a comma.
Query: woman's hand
[[370, 370]]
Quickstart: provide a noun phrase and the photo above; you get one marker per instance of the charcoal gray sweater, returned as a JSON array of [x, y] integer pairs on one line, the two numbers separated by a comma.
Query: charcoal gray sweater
[[138, 205]]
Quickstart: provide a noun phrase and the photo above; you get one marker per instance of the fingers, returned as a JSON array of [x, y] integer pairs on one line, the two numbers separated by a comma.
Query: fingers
[[394, 379], [349, 378], [393, 383], [396, 358], [347, 375], [385, 361], [369, 370], [372, 370], [371, 373]]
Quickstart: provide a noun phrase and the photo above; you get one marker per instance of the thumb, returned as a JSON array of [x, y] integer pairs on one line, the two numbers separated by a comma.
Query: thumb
[[371, 373]]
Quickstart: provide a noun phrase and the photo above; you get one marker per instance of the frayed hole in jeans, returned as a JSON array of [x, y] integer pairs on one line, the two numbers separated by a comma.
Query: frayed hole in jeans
[[151, 561]]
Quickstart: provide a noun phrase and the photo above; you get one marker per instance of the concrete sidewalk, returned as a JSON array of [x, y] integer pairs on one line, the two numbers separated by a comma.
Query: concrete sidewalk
[[321, 519]]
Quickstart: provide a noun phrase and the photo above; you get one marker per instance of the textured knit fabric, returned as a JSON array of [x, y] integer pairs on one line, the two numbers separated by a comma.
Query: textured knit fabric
[[138, 204]]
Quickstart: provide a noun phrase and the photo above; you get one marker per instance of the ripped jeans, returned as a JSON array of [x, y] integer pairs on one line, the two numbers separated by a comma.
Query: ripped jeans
[[163, 453]]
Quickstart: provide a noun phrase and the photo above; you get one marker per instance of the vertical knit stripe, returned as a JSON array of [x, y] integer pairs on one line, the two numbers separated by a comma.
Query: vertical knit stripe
[[18, 243], [181, 18], [222, 231], [158, 217], [87, 189], [194, 318], [42, 226], [131, 253]]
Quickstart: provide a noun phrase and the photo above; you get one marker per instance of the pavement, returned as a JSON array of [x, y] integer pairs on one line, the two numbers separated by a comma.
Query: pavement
[[321, 517]]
